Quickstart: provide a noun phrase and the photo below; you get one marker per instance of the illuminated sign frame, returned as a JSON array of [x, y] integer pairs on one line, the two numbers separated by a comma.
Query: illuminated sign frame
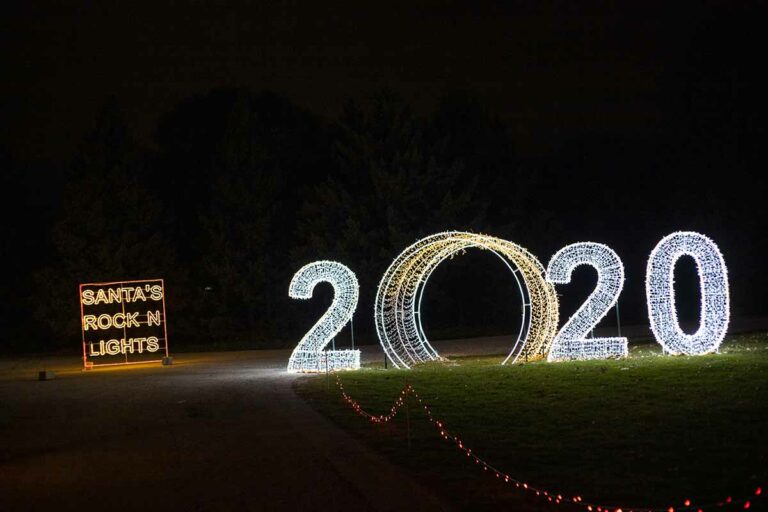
[[119, 292]]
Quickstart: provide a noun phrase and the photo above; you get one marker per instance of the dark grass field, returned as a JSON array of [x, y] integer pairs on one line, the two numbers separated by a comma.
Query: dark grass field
[[650, 430]]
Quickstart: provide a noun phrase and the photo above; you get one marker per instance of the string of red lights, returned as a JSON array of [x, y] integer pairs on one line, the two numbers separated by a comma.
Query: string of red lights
[[552, 497]]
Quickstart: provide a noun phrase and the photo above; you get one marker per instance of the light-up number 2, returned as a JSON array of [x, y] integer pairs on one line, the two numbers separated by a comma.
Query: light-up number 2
[[572, 341], [309, 356]]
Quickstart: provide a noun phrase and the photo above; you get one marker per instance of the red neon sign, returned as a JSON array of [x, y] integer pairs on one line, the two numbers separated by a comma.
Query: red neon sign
[[123, 322]]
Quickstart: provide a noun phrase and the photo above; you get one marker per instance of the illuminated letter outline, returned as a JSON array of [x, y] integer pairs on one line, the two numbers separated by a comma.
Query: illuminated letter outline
[[572, 342], [660, 294], [397, 310], [309, 356], [92, 299]]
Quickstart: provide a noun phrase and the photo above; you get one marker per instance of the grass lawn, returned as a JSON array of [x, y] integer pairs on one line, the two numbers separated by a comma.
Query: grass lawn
[[650, 430]]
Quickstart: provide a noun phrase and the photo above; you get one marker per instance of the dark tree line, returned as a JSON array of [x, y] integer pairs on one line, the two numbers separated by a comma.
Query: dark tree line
[[241, 188]]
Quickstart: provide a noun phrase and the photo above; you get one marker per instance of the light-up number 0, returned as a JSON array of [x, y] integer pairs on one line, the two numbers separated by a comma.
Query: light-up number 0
[[309, 356], [660, 291], [572, 341]]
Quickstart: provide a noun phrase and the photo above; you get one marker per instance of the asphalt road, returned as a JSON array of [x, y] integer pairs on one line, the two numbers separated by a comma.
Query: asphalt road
[[218, 431]]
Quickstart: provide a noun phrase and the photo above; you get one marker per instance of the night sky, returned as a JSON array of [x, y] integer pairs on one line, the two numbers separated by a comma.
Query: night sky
[[639, 117], [555, 70]]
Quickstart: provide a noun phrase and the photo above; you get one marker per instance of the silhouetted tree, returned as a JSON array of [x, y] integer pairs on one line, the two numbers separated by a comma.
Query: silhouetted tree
[[236, 227], [393, 185], [234, 163], [110, 226]]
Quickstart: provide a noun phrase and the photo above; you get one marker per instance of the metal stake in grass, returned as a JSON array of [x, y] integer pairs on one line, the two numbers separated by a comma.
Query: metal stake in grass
[[407, 414], [327, 375]]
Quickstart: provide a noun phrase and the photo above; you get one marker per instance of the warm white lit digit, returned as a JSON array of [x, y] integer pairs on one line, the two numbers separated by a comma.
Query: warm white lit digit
[[309, 356], [398, 299], [572, 341], [660, 291]]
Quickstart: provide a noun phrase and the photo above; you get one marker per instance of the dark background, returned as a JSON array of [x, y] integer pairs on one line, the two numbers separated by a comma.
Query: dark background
[[221, 147]]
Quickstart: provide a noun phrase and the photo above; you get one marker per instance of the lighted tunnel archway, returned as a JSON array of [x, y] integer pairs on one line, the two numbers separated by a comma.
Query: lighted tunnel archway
[[397, 310]]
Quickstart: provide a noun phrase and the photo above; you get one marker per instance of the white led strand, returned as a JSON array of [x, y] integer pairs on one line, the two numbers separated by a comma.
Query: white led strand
[[309, 356], [660, 292], [397, 310], [572, 341]]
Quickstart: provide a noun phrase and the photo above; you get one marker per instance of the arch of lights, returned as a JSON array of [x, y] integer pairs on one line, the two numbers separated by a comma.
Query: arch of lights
[[397, 310], [309, 356], [660, 292], [572, 341]]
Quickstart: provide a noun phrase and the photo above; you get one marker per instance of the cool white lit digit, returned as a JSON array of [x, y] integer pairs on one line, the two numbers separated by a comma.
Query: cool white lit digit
[[572, 341], [308, 356], [660, 292]]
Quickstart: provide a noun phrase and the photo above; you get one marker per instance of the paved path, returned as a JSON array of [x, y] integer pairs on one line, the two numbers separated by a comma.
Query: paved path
[[219, 431]]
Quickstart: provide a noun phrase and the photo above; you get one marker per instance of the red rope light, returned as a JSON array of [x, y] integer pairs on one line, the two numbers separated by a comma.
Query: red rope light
[[552, 497]]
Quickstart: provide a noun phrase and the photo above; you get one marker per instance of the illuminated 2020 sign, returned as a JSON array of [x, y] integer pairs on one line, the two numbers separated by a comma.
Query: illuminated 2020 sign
[[397, 311], [123, 322]]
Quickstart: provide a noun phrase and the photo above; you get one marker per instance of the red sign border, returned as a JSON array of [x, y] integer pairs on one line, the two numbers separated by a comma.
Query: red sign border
[[87, 365]]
